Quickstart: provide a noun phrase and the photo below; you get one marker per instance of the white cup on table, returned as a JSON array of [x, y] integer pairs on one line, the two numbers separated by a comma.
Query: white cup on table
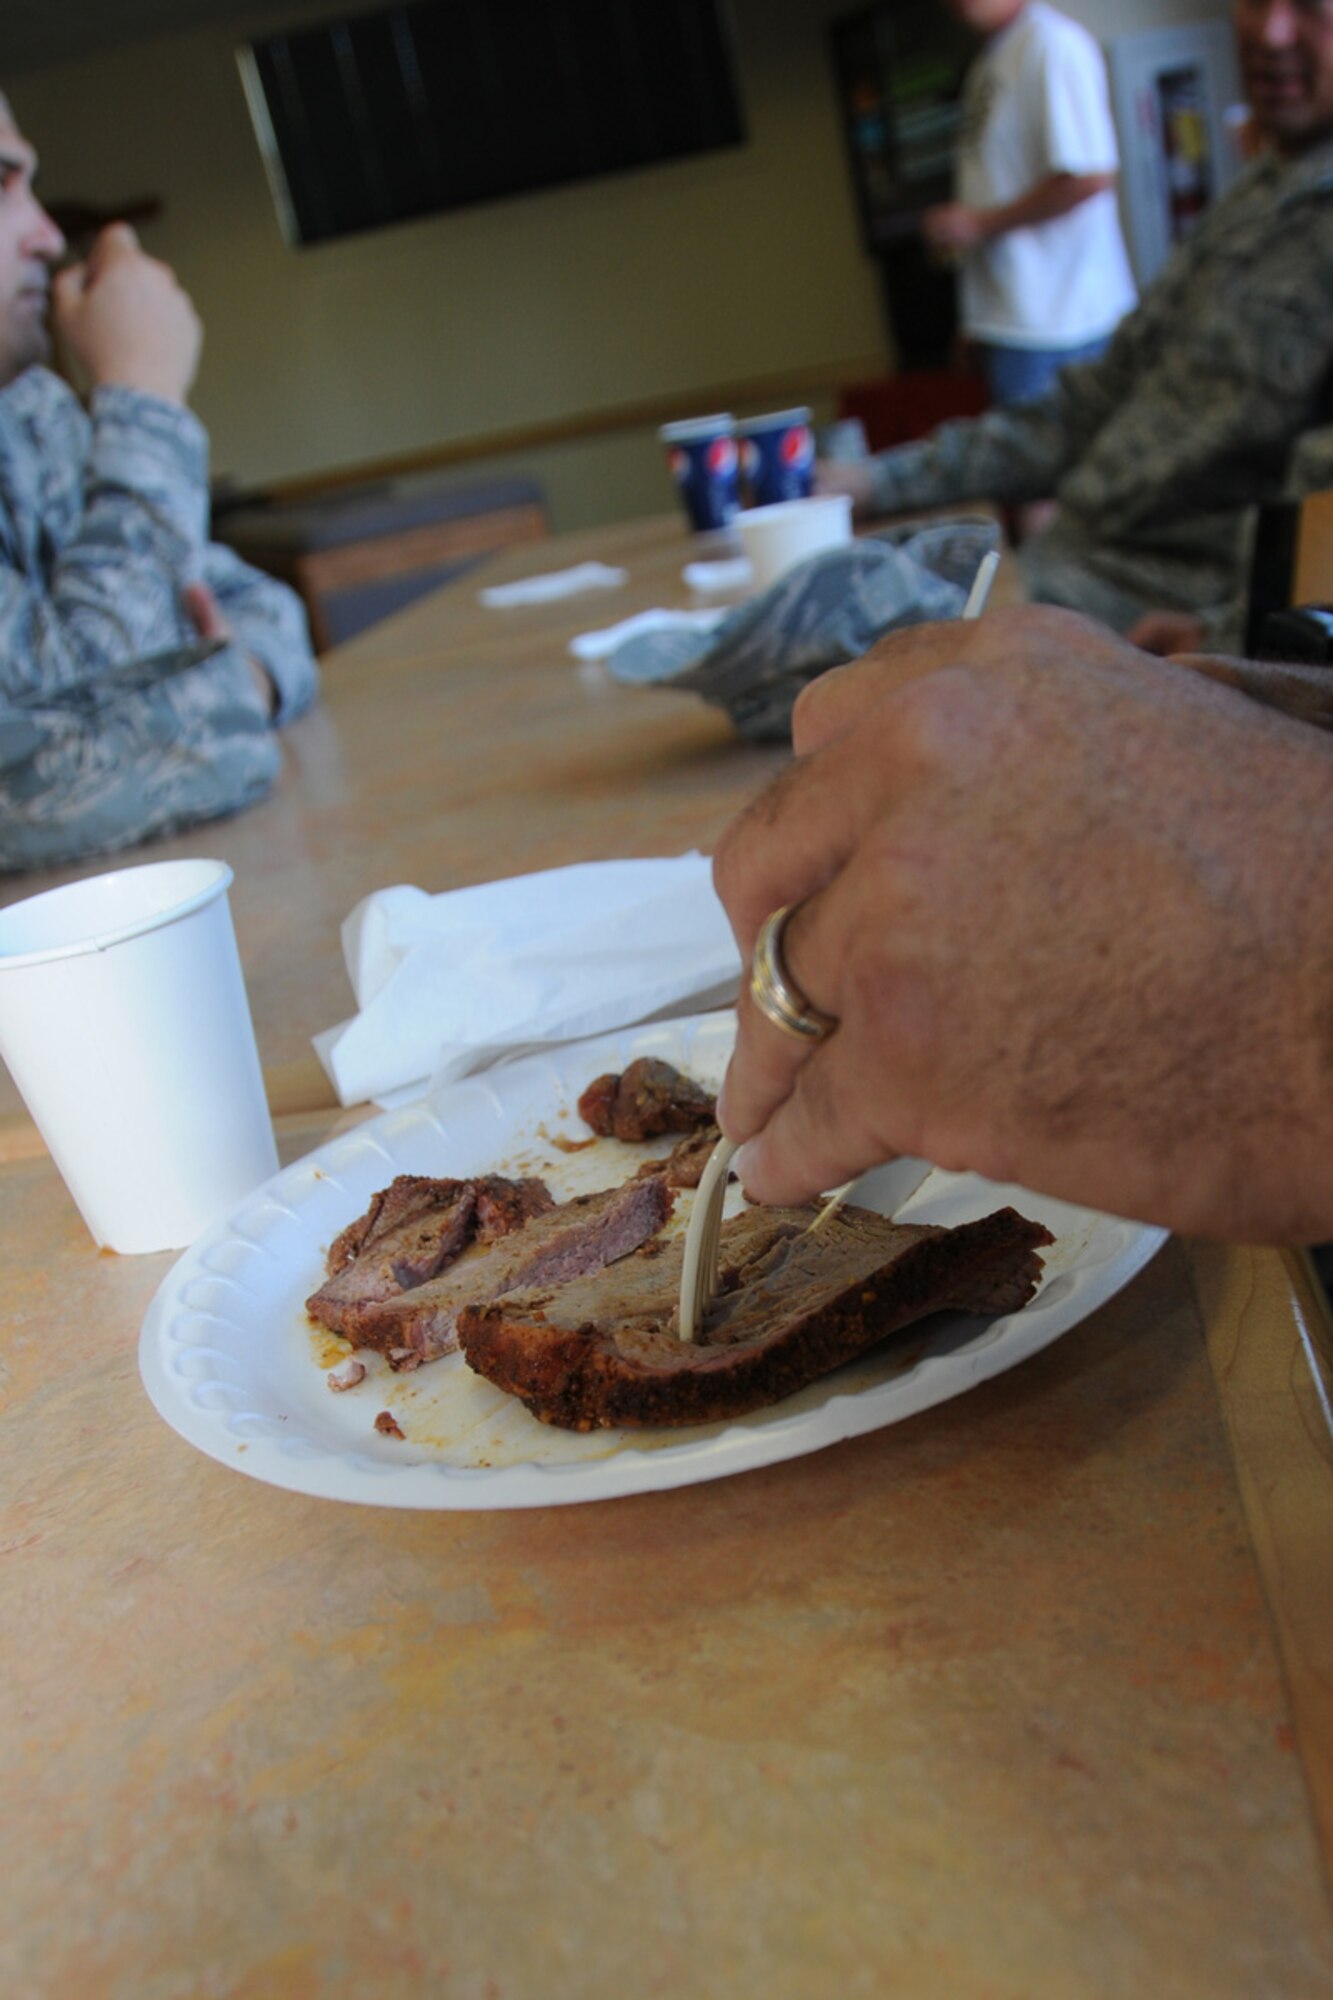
[[777, 537], [125, 1024]]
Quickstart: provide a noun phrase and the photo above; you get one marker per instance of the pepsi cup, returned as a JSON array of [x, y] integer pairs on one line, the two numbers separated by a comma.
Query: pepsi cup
[[701, 452], [777, 457]]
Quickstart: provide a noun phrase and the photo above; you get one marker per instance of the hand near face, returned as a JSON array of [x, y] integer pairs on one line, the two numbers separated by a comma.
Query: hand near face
[[1069, 906], [126, 320]]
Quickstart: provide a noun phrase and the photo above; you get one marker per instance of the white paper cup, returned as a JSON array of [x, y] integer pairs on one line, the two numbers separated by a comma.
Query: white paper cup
[[775, 538], [125, 1024]]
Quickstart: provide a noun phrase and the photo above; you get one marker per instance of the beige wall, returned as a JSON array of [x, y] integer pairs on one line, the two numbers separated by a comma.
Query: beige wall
[[734, 265]]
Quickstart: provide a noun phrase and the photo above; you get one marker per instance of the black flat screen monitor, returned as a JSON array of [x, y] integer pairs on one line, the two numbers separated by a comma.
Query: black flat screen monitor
[[415, 109]]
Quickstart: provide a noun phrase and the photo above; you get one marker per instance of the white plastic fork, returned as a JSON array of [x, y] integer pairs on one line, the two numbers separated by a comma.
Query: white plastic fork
[[703, 1233], [703, 1236]]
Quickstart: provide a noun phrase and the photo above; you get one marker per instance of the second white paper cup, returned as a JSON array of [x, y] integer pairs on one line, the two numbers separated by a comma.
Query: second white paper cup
[[775, 538], [125, 1024]]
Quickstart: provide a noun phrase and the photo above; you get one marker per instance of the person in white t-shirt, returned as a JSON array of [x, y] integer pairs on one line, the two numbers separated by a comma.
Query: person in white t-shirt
[[1044, 277]]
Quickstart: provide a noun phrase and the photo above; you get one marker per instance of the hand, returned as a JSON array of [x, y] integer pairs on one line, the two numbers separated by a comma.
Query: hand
[[1165, 632], [125, 319], [210, 621], [953, 228], [846, 475], [1067, 903]]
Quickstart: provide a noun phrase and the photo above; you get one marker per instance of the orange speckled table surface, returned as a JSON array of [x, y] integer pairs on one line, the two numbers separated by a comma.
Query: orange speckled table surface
[[1029, 1696]]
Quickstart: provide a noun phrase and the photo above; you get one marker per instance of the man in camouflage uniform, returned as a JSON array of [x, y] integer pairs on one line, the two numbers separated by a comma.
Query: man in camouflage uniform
[[143, 669], [1201, 408]]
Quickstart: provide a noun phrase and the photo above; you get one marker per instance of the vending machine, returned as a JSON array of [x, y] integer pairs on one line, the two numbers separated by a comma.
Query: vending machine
[[898, 73]]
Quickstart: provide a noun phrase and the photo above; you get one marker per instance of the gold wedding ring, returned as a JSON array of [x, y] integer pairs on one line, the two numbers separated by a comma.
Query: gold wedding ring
[[778, 999]]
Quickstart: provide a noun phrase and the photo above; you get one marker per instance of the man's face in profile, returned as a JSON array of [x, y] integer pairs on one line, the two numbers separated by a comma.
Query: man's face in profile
[[29, 244], [1286, 62]]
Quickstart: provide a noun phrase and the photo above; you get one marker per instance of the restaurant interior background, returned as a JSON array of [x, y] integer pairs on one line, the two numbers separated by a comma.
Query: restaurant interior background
[[563, 322]]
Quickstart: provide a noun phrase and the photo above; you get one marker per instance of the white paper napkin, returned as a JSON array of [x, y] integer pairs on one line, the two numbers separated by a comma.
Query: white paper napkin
[[555, 583], [453, 983], [600, 645], [735, 573]]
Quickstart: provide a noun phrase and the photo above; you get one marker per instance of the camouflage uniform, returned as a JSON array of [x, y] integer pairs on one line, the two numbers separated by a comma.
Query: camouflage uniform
[[116, 721], [1158, 451]]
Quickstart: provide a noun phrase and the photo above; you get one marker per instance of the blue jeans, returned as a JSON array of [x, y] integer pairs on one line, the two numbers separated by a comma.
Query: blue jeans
[[1020, 374]]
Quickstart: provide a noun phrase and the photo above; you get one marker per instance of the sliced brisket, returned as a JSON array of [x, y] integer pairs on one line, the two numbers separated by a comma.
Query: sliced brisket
[[402, 1202], [792, 1307], [413, 1229], [569, 1241]]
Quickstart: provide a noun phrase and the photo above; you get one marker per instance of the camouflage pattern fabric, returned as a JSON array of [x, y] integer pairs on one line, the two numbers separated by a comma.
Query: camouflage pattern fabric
[[826, 610], [1159, 451], [116, 722]]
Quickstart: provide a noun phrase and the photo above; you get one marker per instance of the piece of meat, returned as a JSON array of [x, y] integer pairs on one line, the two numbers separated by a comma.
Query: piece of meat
[[567, 1241], [504, 1205], [395, 1256], [597, 1106], [684, 1165], [399, 1204], [412, 1230], [387, 1424], [791, 1308], [647, 1099]]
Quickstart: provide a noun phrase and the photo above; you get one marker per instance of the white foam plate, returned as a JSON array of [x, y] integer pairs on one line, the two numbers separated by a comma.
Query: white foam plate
[[233, 1364]]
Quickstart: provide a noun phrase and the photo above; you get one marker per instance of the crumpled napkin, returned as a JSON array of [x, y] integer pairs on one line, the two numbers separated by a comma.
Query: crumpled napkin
[[554, 584], [453, 983], [600, 645], [830, 608]]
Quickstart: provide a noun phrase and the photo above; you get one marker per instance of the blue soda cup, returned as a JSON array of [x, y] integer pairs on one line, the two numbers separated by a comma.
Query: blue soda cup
[[701, 452], [777, 457]]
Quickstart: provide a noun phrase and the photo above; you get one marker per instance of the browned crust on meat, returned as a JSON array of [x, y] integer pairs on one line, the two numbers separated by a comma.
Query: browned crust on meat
[[412, 1230], [597, 1106], [504, 1205], [684, 1165], [406, 1197], [580, 1374]]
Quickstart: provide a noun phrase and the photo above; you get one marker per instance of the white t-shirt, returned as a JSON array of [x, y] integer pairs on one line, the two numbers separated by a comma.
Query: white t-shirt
[[1036, 103]]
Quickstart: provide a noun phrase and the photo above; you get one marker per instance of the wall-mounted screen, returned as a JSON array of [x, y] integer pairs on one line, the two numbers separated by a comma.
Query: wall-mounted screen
[[439, 104]]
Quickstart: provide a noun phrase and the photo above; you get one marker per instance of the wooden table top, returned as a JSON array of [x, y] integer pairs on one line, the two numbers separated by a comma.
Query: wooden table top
[[1031, 1695]]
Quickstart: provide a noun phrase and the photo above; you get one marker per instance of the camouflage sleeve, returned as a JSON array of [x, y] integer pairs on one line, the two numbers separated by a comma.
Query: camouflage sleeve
[[113, 589], [269, 621], [144, 750], [1019, 452]]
